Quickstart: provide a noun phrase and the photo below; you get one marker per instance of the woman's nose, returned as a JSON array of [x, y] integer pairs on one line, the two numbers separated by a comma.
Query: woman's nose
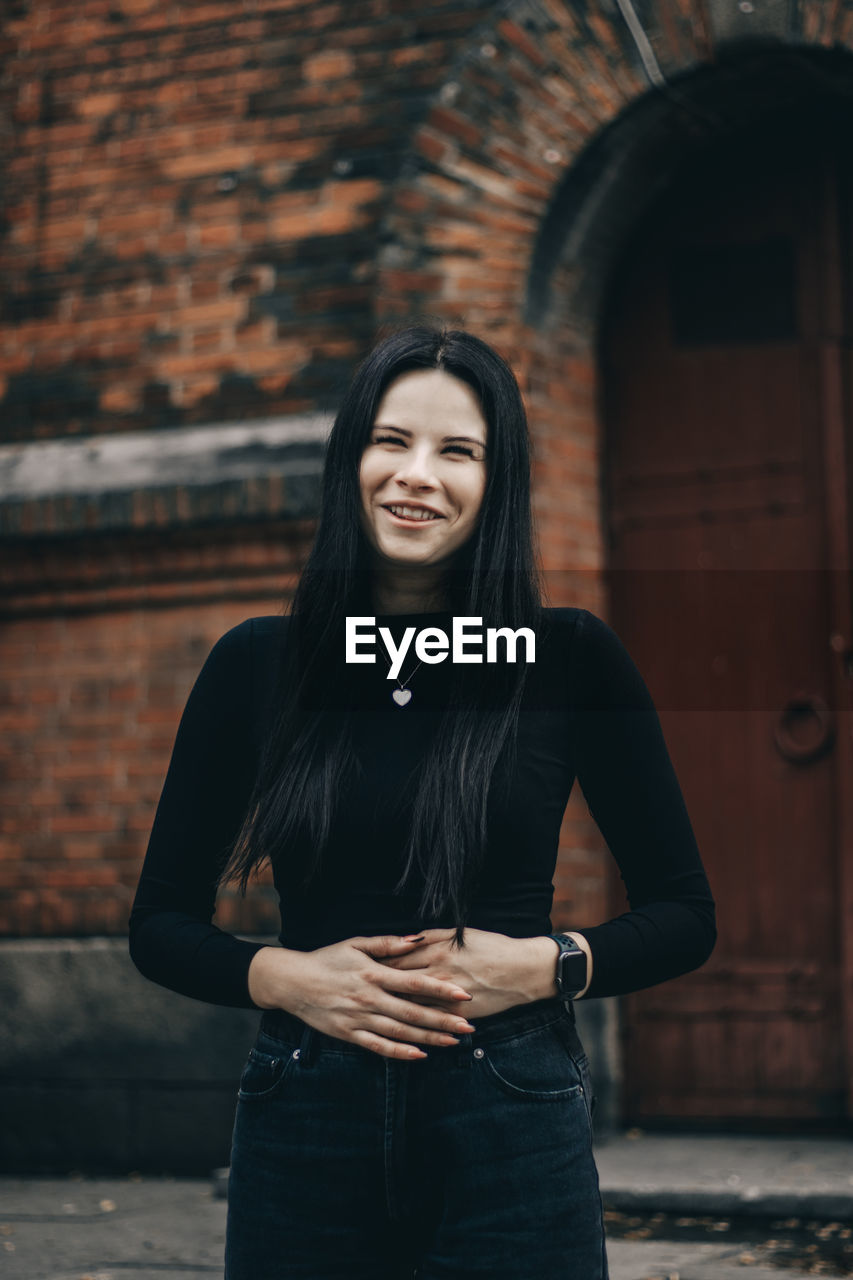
[[417, 467]]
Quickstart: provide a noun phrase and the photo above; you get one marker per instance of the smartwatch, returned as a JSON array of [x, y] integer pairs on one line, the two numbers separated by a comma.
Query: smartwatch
[[571, 966]]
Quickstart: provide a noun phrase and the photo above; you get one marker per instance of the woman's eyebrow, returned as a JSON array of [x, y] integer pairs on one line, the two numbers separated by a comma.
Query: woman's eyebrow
[[383, 426]]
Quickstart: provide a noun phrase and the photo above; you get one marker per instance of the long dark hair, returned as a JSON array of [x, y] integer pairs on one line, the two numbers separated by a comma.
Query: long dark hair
[[308, 752]]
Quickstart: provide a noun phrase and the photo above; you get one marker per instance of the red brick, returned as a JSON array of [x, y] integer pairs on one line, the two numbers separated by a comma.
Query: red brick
[[454, 125], [329, 64], [98, 105], [218, 235], [130, 220], [205, 314], [322, 221], [197, 163], [72, 229], [433, 148]]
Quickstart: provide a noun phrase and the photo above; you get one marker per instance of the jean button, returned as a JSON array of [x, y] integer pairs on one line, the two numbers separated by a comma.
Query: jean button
[[478, 1053], [295, 1053]]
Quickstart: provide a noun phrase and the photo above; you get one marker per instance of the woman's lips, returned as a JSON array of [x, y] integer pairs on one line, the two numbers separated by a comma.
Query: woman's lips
[[410, 521]]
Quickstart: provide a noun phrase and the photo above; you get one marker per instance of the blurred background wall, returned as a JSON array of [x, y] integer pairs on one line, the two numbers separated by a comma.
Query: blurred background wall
[[208, 211]]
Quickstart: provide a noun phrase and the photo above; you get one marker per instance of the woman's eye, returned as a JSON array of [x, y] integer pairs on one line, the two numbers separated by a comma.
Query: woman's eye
[[468, 451]]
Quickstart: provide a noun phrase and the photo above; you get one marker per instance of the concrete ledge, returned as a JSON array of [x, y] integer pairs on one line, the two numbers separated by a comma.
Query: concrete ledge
[[734, 1175], [181, 476], [152, 459], [102, 1070]]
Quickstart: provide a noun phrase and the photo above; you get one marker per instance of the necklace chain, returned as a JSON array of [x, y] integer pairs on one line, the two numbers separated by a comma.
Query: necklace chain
[[402, 696]]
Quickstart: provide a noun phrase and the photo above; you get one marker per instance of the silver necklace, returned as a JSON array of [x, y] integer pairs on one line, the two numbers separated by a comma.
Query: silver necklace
[[401, 695]]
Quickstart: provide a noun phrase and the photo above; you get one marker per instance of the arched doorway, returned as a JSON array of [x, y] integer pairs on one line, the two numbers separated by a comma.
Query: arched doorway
[[725, 369]]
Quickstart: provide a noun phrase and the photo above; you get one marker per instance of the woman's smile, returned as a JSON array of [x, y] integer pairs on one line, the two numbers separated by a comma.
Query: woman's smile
[[412, 515]]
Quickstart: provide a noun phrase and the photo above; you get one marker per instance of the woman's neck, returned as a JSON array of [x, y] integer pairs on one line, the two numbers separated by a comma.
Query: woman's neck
[[408, 593]]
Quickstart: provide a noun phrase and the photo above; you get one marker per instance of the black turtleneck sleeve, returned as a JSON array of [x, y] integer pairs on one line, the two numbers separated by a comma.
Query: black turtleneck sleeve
[[201, 807], [630, 786]]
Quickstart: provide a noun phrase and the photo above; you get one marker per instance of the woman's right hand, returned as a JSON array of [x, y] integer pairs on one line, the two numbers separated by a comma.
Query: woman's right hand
[[345, 991]]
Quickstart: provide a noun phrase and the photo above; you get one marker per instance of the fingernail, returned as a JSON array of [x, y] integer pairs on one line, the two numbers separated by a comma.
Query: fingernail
[[413, 937]]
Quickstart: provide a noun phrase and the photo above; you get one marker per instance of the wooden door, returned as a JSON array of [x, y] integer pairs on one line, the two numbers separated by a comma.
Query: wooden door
[[725, 361]]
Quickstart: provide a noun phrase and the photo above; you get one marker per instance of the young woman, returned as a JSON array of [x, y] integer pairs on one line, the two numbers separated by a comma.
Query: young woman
[[418, 1102]]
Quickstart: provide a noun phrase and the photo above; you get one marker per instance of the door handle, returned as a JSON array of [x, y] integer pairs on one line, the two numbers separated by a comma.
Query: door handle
[[804, 706], [842, 647]]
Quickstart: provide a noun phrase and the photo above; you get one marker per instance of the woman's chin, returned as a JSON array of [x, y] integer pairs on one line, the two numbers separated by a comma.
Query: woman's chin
[[409, 557]]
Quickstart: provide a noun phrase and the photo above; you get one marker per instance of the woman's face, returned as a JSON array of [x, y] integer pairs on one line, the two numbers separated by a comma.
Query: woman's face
[[427, 451]]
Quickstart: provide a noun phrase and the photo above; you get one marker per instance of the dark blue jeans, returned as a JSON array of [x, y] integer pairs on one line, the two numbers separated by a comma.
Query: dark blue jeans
[[474, 1161]]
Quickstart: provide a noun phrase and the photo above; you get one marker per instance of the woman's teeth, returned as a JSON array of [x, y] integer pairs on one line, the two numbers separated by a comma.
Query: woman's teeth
[[413, 513]]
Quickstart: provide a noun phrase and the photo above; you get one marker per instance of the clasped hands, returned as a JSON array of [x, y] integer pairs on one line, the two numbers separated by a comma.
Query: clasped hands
[[391, 994], [486, 967]]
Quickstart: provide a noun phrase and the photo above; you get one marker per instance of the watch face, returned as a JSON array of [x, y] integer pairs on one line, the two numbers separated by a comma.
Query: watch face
[[572, 971]]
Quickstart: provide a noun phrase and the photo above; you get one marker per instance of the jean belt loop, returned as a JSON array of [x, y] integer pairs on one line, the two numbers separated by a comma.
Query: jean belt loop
[[463, 1049], [569, 1006], [307, 1047]]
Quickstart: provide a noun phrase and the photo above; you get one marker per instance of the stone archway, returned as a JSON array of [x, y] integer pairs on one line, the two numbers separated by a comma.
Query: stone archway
[[551, 133]]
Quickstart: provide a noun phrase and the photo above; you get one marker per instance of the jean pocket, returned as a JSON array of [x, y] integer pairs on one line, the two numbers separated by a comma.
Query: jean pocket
[[263, 1075], [535, 1065], [567, 1032]]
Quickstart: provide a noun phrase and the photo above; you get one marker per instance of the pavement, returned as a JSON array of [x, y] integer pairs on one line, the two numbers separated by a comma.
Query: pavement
[[734, 1175], [148, 1228]]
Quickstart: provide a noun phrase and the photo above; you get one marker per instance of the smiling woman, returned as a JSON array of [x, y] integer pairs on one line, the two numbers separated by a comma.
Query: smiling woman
[[379, 1132]]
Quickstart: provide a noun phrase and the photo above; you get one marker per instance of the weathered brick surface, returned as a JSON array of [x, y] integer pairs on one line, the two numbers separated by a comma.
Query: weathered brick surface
[[98, 653], [207, 211], [159, 155]]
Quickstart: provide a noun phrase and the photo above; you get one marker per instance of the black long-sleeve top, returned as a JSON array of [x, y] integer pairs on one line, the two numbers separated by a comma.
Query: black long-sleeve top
[[586, 714]]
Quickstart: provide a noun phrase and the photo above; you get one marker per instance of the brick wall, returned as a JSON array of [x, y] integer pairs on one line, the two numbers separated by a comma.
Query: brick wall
[[98, 653], [194, 199], [208, 210]]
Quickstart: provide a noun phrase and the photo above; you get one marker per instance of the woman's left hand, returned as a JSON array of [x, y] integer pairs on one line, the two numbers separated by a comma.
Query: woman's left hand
[[500, 972]]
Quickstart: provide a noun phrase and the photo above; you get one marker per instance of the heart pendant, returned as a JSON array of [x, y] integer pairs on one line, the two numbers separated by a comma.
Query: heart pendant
[[402, 696]]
